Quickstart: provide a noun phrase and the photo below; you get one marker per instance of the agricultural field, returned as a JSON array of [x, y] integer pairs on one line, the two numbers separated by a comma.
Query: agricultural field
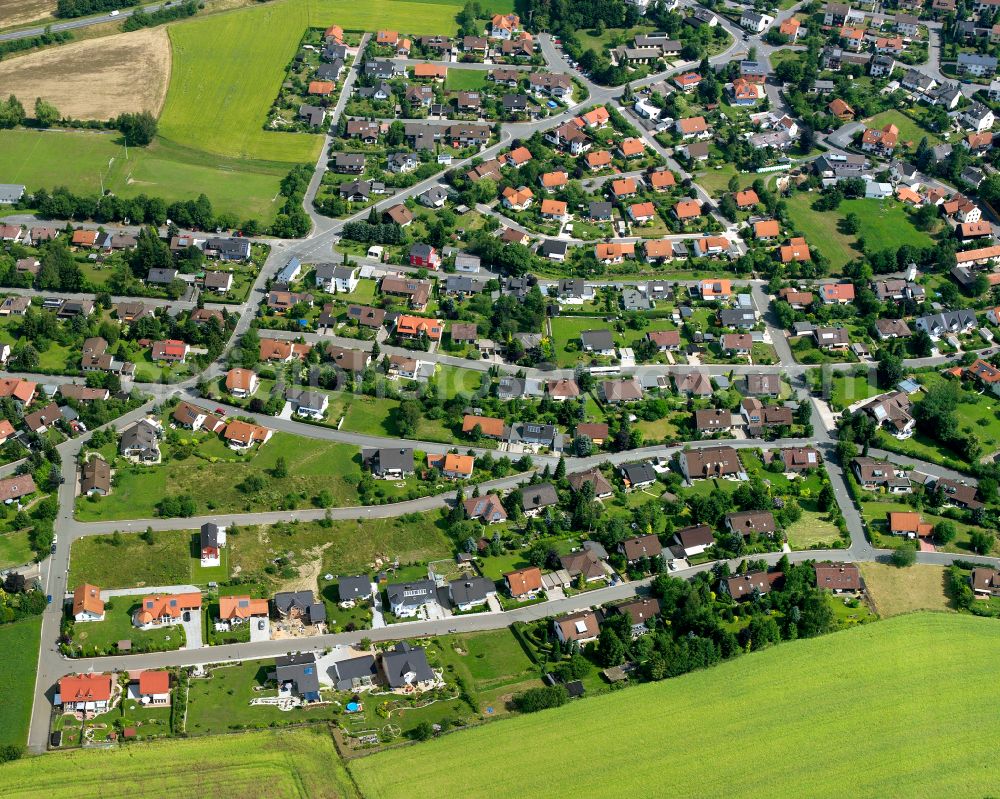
[[22, 12], [96, 78], [885, 735], [298, 764], [17, 681]]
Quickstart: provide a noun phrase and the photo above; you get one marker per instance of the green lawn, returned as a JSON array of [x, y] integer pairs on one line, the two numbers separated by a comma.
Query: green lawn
[[811, 530], [884, 736], [464, 80], [17, 681], [163, 169], [885, 224], [297, 764], [15, 550], [131, 563], [909, 129], [848, 389], [221, 702], [566, 329], [99, 637], [716, 181], [313, 465]]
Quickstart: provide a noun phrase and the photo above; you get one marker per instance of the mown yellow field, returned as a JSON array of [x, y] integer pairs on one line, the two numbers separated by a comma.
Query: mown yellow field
[[97, 78]]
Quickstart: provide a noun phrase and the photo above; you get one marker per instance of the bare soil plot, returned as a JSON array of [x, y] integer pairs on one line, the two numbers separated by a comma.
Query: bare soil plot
[[898, 591], [21, 12], [96, 79]]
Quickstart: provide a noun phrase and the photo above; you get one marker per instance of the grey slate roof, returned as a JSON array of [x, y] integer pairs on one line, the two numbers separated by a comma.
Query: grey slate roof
[[404, 660]]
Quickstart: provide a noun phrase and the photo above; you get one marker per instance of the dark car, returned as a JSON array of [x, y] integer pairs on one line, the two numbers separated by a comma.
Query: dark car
[[48, 599]]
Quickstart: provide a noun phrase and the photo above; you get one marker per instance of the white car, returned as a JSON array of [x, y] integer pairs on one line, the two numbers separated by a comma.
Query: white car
[[115, 13]]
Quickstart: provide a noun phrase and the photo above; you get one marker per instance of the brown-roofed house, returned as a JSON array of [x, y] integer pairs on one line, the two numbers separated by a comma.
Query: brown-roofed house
[[579, 627], [838, 577], [641, 546], [752, 521]]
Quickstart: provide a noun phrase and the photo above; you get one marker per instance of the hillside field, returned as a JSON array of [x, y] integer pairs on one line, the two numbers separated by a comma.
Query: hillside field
[[878, 710], [300, 764]]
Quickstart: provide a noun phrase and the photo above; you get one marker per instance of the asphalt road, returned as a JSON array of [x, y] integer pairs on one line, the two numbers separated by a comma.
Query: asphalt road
[[80, 22]]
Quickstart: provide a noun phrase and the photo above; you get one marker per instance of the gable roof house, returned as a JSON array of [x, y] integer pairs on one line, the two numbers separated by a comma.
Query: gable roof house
[[709, 462], [580, 628], [524, 583], [298, 674], [390, 463], [407, 599], [406, 668], [746, 523], [694, 540], [87, 603]]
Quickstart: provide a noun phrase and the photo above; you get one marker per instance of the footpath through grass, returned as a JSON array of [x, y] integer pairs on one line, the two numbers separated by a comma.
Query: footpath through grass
[[299, 764], [840, 698], [19, 642]]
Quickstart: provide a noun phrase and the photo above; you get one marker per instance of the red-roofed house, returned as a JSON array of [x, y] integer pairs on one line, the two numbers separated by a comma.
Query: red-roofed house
[[86, 694], [171, 350]]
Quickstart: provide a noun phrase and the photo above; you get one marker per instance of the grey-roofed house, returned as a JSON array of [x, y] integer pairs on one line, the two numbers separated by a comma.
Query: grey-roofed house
[[161, 276], [553, 249], [406, 667], [349, 163], [465, 262], [300, 605], [599, 211], [598, 341], [743, 318], [10, 193], [536, 498], [518, 387], [298, 675], [355, 674], [313, 115], [141, 442], [354, 587], [638, 475], [390, 463], [635, 300], [522, 434], [941, 324], [468, 593], [308, 403], [406, 599]]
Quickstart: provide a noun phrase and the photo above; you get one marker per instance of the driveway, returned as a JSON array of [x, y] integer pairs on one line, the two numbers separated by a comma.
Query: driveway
[[192, 629], [260, 629]]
